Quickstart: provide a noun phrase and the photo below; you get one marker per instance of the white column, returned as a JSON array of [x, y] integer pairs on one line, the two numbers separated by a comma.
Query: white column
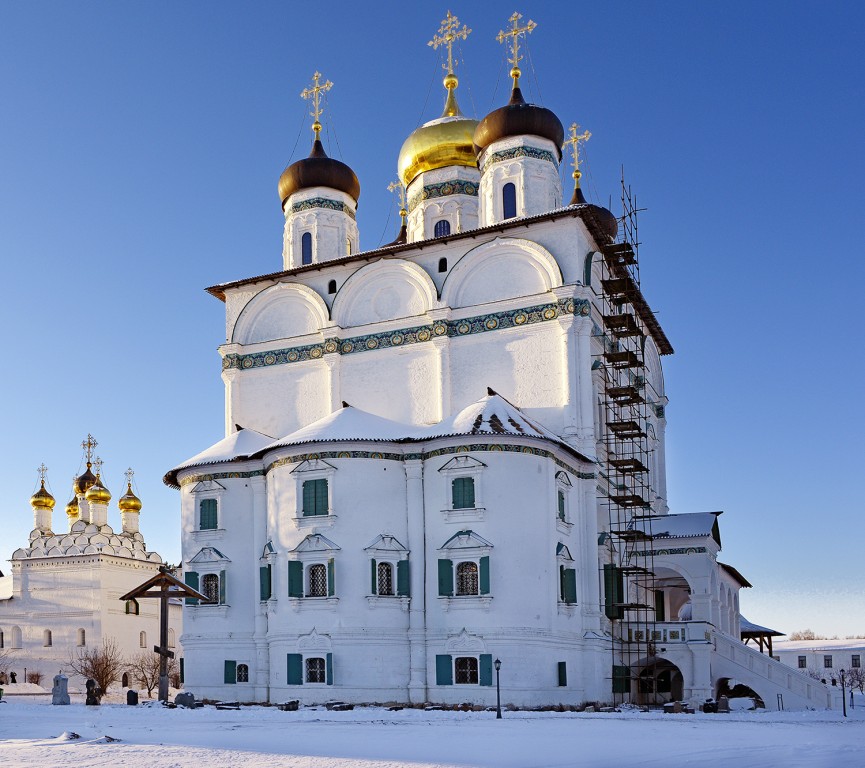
[[259, 539], [232, 393], [442, 347], [579, 389], [416, 525], [589, 577], [334, 385]]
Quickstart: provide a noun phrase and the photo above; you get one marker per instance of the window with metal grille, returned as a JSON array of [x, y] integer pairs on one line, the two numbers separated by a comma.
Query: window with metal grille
[[463, 493], [317, 581], [442, 227], [467, 578], [466, 670], [827, 662], [385, 579], [315, 670], [509, 201], [855, 661], [210, 587], [803, 662], [315, 497], [208, 520], [242, 673], [306, 248]]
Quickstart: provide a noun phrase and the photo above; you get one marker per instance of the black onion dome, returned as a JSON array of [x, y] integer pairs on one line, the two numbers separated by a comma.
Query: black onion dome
[[318, 170], [517, 118], [605, 218]]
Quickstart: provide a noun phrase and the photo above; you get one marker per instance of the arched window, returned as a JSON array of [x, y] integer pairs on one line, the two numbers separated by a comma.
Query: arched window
[[316, 670], [306, 248], [46, 638], [467, 578], [132, 607], [16, 637], [124, 681], [385, 578], [210, 587], [509, 201], [443, 265], [348, 246], [171, 638], [317, 586], [331, 286], [142, 639], [2, 639], [242, 673], [81, 637], [442, 227]]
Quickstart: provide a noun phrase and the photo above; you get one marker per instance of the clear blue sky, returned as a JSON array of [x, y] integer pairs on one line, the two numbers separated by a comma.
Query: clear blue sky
[[141, 143]]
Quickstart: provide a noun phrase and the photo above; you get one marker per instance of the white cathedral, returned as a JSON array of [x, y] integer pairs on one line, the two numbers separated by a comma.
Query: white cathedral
[[446, 455]]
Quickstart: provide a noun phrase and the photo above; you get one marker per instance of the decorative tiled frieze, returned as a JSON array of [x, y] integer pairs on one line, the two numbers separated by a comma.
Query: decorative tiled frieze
[[676, 551], [321, 202], [221, 476], [415, 335], [442, 189], [515, 152]]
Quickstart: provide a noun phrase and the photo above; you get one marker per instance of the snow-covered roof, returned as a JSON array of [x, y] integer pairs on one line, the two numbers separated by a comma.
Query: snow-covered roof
[[749, 628], [237, 445], [683, 526], [87, 539], [836, 644], [347, 423]]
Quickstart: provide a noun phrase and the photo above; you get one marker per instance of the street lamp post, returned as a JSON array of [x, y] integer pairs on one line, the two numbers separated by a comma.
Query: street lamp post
[[843, 695], [498, 665]]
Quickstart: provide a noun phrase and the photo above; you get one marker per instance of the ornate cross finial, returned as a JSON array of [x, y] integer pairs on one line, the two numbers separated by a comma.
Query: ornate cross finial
[[88, 445], [448, 32], [129, 475], [515, 33], [42, 469], [97, 462], [314, 93], [574, 140], [397, 186]]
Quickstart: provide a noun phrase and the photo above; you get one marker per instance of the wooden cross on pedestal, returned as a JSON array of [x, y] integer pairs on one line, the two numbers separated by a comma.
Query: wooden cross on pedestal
[[164, 586]]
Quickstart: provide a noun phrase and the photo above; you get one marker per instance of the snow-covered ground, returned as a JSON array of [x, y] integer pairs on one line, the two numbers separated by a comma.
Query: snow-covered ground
[[33, 733]]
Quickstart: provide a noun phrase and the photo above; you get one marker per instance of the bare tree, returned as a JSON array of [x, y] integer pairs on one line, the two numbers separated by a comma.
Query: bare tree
[[35, 677], [805, 634], [103, 663], [856, 678], [6, 659], [143, 668]]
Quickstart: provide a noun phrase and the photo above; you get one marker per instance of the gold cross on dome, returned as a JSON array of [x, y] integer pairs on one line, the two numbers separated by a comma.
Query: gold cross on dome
[[314, 93], [448, 32], [515, 33], [396, 186], [97, 462], [574, 140], [129, 475], [88, 445], [42, 469]]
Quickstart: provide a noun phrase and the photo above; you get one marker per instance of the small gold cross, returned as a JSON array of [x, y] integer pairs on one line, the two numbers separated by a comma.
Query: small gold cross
[[574, 141], [88, 445], [129, 475], [42, 469], [448, 32], [314, 93], [396, 186], [515, 33]]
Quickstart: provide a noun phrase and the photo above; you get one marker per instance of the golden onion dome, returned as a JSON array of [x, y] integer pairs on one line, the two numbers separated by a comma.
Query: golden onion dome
[[440, 143], [129, 502], [98, 493], [72, 507], [42, 499], [84, 481]]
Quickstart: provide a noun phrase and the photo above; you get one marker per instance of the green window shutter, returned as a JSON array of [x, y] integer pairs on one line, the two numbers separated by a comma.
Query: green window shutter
[[569, 585], [294, 674], [561, 583], [484, 582], [331, 580], [207, 512], [321, 497], [315, 497], [374, 590], [328, 668], [444, 668], [402, 583], [182, 670], [660, 612], [295, 578], [446, 579], [191, 580], [230, 672], [485, 669], [621, 680], [222, 587], [309, 498], [563, 674], [561, 505], [264, 582], [613, 591], [463, 493]]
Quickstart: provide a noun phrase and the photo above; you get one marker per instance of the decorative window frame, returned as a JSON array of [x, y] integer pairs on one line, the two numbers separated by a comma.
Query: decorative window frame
[[315, 549], [385, 548], [565, 487], [463, 465], [268, 559], [202, 490], [462, 547], [564, 560], [314, 646], [313, 469], [210, 561], [466, 646]]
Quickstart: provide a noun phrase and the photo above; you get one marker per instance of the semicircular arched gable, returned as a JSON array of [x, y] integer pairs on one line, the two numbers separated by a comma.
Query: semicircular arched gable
[[506, 268], [279, 312], [384, 290]]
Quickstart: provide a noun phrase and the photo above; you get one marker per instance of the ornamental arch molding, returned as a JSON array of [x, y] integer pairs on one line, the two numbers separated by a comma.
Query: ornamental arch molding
[[280, 312], [505, 268], [384, 290]]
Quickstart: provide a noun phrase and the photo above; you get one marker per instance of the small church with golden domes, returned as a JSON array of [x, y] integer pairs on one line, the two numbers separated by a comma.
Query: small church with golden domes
[[66, 584], [444, 459]]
